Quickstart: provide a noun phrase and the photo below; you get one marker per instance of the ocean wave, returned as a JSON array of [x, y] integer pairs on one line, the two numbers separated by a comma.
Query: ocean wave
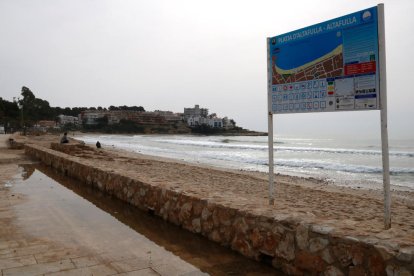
[[344, 151], [239, 158], [226, 141], [229, 145], [311, 164]]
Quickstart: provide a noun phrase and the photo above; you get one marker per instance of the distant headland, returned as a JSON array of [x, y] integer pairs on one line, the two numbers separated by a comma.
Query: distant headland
[[30, 114]]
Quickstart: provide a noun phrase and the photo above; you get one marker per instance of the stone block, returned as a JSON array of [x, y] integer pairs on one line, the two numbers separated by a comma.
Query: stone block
[[321, 229], [185, 212], [270, 242], [196, 223], [357, 271], [225, 216], [240, 225], [241, 245], [405, 254], [309, 262], [286, 247], [333, 271], [205, 214], [197, 207], [207, 226], [215, 236], [357, 254], [256, 238], [327, 256], [317, 244], [376, 265], [343, 254], [227, 234], [289, 269], [302, 236]]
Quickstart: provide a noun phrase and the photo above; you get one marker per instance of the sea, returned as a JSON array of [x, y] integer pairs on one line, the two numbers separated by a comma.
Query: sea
[[343, 162]]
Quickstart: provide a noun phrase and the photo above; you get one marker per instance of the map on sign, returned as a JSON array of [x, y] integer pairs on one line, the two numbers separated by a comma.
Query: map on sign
[[331, 66]]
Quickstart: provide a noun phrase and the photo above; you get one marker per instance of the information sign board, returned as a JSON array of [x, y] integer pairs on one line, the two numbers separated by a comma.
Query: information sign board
[[330, 66], [336, 65]]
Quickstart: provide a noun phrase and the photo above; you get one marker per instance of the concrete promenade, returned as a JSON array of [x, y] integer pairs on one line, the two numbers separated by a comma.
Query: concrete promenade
[[40, 236], [47, 229]]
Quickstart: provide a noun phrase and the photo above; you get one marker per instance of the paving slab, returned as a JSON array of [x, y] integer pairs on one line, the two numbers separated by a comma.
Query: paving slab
[[141, 272], [37, 269], [101, 269], [17, 261]]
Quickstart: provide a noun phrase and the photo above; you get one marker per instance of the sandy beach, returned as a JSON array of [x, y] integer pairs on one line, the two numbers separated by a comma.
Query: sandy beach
[[353, 212]]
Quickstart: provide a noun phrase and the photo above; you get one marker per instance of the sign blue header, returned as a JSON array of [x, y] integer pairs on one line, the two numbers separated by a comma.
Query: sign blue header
[[346, 21]]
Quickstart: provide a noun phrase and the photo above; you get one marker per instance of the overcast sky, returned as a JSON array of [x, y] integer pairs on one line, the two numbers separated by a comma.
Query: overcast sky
[[169, 55]]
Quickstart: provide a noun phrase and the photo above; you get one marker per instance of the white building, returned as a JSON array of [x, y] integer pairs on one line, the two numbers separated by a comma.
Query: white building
[[169, 115], [196, 121], [215, 122], [89, 117], [64, 119], [199, 116], [195, 112]]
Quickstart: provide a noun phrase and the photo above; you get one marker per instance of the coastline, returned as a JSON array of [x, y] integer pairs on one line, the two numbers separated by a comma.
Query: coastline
[[325, 182], [405, 197]]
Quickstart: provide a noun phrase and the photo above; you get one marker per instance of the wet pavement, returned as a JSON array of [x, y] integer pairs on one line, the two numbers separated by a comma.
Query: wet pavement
[[56, 226]]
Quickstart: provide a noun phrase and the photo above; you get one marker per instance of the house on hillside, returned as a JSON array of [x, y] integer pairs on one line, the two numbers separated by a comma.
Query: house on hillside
[[44, 125], [64, 119], [92, 117], [199, 116]]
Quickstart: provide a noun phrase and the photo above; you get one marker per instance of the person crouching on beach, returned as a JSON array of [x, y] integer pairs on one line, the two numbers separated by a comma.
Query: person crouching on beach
[[98, 145], [64, 139]]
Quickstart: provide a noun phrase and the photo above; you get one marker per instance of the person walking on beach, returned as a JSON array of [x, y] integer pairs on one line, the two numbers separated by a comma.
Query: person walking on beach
[[64, 139]]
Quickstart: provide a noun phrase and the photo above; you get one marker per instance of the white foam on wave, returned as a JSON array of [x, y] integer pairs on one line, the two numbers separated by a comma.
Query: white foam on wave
[[250, 156], [229, 145], [308, 164]]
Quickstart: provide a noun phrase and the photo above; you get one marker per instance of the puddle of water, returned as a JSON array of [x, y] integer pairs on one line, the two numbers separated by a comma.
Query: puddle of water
[[68, 212]]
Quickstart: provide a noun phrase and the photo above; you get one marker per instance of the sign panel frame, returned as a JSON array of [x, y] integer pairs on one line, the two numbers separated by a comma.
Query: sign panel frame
[[327, 67]]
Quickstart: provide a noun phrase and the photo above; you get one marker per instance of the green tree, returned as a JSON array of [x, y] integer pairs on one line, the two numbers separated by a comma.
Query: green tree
[[34, 109], [9, 114]]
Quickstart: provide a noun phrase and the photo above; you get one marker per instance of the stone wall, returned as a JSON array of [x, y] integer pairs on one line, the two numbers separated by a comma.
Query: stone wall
[[295, 247]]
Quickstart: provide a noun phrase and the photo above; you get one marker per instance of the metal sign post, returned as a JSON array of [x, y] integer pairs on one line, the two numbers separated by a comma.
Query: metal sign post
[[384, 127], [270, 125]]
